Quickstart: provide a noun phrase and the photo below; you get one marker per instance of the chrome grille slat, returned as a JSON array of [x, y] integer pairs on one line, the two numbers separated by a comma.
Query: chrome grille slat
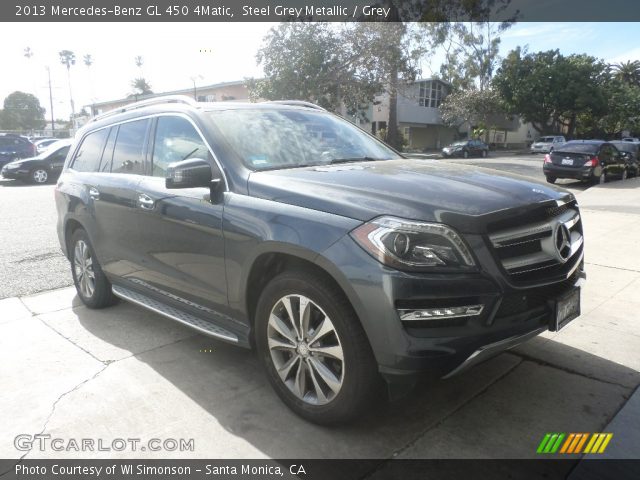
[[517, 247]]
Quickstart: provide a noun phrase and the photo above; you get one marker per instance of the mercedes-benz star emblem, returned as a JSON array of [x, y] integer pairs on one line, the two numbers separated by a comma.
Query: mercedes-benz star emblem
[[563, 242]]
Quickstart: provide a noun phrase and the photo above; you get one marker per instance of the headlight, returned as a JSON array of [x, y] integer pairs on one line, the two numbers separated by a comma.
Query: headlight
[[410, 245]]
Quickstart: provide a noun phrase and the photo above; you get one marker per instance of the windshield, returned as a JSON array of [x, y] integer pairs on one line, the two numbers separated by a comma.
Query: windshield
[[546, 140], [271, 139], [579, 147], [459, 144], [626, 146]]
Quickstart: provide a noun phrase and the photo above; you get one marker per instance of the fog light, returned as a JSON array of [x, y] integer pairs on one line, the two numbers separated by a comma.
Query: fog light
[[440, 313]]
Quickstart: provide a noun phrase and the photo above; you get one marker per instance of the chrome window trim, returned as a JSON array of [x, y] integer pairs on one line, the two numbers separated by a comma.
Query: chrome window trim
[[155, 115]]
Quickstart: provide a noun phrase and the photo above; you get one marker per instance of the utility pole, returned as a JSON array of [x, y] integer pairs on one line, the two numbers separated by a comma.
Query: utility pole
[[53, 122]]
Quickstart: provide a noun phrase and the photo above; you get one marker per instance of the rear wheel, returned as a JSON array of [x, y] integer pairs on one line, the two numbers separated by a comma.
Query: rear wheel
[[551, 179], [93, 287], [315, 352], [39, 175]]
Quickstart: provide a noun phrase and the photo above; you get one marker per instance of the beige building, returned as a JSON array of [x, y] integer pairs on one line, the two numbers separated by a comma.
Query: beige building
[[219, 92]]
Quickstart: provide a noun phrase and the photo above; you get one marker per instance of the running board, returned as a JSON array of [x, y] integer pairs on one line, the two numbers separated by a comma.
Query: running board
[[179, 316]]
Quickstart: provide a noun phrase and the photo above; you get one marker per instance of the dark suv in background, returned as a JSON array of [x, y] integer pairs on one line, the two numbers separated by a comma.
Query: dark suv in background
[[14, 147], [283, 227]]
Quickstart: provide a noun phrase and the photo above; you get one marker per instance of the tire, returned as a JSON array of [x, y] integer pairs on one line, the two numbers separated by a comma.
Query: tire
[[39, 176], [465, 154], [93, 287], [624, 175], [485, 154], [551, 179], [313, 381]]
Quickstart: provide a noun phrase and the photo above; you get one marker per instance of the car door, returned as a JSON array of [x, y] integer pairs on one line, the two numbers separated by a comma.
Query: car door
[[56, 160], [112, 192], [180, 228]]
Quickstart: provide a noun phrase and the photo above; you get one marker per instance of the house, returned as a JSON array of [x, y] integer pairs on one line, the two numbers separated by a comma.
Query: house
[[218, 92], [420, 120]]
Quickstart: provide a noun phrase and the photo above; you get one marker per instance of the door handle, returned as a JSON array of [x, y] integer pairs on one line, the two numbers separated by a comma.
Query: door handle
[[145, 201], [94, 193]]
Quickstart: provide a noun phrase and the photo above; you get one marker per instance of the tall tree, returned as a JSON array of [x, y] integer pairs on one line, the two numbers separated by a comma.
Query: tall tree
[[28, 53], [68, 59], [549, 90], [22, 111], [628, 72], [335, 65], [471, 51]]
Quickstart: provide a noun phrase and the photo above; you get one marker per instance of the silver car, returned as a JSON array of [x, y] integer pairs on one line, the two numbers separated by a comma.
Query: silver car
[[547, 144]]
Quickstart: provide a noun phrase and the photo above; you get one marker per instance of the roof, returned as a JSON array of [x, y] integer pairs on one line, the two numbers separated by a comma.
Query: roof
[[183, 91]]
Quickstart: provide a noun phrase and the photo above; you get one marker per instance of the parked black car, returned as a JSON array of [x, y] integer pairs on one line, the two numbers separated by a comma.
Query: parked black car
[[594, 161], [631, 153], [44, 168], [466, 148], [284, 227], [14, 147]]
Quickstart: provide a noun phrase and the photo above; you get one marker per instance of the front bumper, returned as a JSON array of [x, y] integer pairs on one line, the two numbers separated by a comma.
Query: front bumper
[[437, 348]]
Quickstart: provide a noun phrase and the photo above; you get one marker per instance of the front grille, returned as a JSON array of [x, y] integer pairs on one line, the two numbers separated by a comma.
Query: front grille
[[546, 245]]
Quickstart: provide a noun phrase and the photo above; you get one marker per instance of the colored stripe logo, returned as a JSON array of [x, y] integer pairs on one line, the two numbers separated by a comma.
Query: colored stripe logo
[[574, 443]]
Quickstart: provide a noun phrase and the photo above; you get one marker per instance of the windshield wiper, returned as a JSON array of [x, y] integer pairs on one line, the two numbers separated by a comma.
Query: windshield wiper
[[354, 159]]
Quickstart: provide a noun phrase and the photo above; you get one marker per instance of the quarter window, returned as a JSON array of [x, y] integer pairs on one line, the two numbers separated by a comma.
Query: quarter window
[[90, 152], [128, 154], [175, 140]]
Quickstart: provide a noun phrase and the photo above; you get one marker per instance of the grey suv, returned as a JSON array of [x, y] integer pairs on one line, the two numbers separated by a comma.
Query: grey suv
[[282, 227]]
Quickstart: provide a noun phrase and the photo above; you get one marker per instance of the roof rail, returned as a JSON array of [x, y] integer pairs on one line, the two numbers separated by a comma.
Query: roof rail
[[145, 103], [298, 103]]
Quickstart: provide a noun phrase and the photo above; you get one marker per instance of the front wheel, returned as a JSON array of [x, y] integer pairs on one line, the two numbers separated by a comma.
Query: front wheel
[[39, 176], [315, 352], [93, 287]]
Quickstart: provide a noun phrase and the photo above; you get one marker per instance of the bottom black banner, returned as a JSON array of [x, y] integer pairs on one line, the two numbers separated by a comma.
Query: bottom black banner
[[320, 469]]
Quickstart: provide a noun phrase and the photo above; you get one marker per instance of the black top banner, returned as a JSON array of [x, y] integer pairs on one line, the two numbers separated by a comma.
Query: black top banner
[[319, 10]]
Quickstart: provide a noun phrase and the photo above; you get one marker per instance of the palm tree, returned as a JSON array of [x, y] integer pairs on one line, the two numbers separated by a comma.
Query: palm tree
[[28, 53], [68, 58], [88, 61], [139, 61], [628, 72]]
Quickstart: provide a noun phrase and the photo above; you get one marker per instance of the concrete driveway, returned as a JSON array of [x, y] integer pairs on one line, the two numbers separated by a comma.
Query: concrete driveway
[[123, 372]]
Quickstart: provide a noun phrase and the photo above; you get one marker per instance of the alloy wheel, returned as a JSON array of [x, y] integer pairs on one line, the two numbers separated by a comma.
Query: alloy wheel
[[305, 349], [40, 176], [83, 267]]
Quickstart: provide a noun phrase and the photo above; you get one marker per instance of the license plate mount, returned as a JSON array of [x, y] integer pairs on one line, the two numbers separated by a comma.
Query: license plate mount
[[565, 308], [567, 161]]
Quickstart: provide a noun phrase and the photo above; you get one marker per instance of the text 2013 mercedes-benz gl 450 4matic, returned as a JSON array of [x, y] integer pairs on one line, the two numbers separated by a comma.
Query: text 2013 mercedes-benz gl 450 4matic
[[281, 227]]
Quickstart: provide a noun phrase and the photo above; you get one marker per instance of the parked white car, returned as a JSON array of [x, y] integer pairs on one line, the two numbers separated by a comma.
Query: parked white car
[[547, 144]]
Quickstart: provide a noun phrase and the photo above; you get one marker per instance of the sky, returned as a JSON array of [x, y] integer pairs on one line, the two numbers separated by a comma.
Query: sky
[[176, 53]]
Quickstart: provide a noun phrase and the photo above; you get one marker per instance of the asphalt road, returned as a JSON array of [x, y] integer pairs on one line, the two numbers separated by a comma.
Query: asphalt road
[[30, 257]]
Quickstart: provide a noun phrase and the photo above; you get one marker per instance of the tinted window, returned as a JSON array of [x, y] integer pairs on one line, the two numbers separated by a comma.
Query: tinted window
[[60, 154], [129, 149], [107, 156], [88, 157], [175, 140]]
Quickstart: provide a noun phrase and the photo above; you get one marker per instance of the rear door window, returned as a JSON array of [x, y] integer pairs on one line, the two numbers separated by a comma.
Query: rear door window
[[88, 157], [128, 154]]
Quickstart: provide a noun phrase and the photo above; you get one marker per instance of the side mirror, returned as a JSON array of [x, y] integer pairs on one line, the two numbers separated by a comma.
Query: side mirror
[[191, 173]]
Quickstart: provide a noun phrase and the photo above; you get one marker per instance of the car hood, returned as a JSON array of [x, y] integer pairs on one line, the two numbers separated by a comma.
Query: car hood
[[459, 195]]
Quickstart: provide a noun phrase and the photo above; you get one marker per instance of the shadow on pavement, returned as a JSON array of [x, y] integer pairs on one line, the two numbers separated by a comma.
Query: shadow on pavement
[[500, 409]]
